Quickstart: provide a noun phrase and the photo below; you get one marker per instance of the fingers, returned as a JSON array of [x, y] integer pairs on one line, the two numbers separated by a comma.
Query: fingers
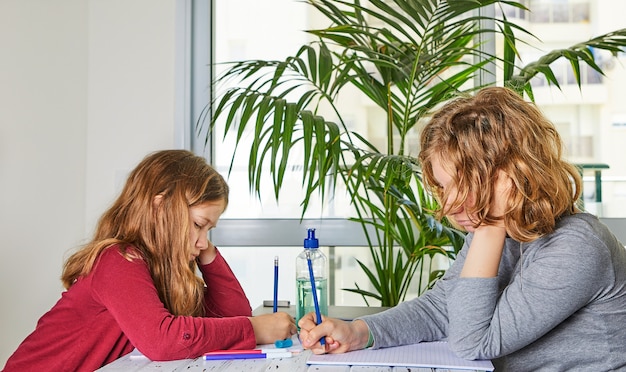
[[333, 346], [314, 344], [310, 339], [311, 334], [271, 327], [207, 255], [290, 324], [308, 321], [286, 323], [339, 336], [308, 329]]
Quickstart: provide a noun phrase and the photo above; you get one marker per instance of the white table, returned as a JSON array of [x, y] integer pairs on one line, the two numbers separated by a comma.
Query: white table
[[297, 363], [134, 362], [129, 364]]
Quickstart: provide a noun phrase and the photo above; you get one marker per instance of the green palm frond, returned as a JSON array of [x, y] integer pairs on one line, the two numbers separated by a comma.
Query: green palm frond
[[404, 57], [576, 54]]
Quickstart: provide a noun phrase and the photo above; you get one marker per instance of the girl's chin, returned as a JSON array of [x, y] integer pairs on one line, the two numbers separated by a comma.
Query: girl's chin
[[469, 228]]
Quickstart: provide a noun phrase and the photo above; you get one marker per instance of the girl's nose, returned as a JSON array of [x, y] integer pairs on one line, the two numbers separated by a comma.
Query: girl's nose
[[203, 242]]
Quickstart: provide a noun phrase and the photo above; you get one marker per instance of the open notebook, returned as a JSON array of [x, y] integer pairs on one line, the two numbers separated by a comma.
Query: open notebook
[[425, 354]]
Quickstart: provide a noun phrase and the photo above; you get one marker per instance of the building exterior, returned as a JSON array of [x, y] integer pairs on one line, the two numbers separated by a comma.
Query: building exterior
[[592, 119]]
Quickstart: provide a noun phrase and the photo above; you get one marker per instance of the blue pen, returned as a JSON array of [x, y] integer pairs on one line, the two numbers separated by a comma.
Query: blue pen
[[314, 291], [275, 283]]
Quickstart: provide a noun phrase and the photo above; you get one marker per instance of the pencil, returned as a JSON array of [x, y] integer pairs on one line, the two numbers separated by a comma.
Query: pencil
[[276, 284]]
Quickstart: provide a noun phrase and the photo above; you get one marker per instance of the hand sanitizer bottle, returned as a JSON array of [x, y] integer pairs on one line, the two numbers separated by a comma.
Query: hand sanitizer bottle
[[304, 295]]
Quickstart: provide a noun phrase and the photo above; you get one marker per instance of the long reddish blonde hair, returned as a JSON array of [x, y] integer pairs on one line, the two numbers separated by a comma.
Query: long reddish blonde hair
[[159, 232], [498, 130]]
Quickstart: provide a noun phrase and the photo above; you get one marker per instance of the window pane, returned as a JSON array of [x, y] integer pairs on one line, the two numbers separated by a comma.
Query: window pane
[[539, 11], [580, 12], [560, 11], [238, 37]]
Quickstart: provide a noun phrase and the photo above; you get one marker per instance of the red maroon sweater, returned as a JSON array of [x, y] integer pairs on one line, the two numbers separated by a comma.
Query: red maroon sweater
[[116, 308]]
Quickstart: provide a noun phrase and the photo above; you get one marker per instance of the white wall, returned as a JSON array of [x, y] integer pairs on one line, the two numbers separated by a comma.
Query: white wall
[[86, 90]]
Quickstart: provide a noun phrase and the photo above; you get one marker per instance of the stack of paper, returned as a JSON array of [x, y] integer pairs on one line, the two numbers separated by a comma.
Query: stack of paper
[[425, 354]]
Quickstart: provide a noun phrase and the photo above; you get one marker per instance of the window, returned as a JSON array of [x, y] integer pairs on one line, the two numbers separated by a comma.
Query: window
[[589, 135], [512, 12], [559, 11], [275, 230], [237, 39]]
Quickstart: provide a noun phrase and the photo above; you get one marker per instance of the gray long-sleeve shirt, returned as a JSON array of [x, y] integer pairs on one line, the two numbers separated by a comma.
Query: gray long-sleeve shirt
[[557, 304]]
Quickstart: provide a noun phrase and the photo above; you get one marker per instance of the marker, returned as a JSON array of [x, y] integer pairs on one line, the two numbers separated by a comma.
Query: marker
[[315, 301], [275, 283], [137, 357], [248, 351], [276, 355]]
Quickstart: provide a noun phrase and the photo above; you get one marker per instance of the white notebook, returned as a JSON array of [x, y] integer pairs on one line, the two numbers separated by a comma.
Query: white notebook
[[425, 354]]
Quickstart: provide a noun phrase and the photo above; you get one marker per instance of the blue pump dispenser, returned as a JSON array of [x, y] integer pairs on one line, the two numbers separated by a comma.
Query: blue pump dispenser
[[311, 241]]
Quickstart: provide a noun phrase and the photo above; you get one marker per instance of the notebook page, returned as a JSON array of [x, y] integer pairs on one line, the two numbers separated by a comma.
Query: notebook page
[[425, 354]]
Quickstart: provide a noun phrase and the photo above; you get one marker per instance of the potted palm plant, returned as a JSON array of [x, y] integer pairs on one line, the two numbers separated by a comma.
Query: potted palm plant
[[405, 57]]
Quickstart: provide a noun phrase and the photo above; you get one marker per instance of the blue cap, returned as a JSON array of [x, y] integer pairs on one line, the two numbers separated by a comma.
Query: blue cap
[[311, 241]]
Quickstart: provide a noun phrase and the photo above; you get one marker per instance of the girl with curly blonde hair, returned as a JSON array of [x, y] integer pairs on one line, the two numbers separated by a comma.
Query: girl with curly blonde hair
[[538, 284]]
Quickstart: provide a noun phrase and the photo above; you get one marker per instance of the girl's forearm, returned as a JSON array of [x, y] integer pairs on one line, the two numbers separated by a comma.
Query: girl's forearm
[[485, 252]]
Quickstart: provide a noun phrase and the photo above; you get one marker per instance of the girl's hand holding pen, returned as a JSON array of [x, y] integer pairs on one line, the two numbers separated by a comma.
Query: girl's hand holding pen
[[340, 336], [271, 327]]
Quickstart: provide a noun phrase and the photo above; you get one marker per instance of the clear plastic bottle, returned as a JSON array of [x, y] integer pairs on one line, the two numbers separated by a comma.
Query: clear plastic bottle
[[304, 295]]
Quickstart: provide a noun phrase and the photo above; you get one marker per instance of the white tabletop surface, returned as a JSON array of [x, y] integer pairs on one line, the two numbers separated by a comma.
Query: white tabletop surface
[[135, 362], [297, 363]]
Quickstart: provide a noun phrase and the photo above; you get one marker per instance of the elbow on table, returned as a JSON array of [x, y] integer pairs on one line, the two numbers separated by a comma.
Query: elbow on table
[[468, 351], [163, 353]]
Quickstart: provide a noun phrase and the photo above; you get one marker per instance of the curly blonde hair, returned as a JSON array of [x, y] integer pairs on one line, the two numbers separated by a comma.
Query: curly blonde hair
[[158, 232], [496, 130]]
